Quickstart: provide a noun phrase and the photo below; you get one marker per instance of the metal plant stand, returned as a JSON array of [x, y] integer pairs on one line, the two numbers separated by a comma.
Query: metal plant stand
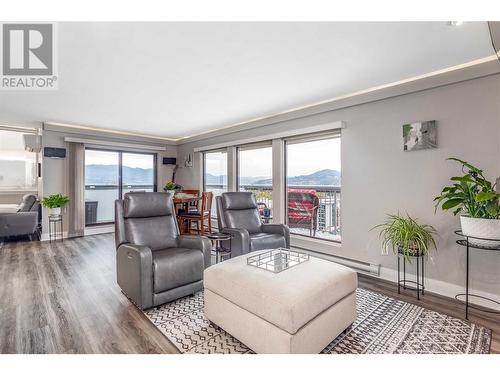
[[418, 285], [55, 221], [468, 245]]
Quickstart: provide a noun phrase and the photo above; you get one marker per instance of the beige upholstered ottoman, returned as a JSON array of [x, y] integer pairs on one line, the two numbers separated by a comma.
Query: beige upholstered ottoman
[[299, 310]]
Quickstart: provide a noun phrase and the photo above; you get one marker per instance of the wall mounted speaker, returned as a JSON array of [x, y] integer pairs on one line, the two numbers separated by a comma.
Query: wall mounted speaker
[[54, 152], [169, 161]]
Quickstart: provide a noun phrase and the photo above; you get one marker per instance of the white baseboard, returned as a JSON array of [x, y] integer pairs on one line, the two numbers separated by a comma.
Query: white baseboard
[[100, 229], [445, 289], [431, 285]]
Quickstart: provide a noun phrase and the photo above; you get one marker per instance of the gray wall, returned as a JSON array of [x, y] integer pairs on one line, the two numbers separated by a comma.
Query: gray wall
[[54, 170], [379, 178]]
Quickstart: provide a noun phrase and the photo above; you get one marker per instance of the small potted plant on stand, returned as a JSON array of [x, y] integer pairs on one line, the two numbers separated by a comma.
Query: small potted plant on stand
[[475, 198], [55, 202], [172, 188], [406, 237]]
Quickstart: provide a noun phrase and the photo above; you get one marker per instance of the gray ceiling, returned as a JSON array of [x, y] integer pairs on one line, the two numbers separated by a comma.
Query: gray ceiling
[[181, 79]]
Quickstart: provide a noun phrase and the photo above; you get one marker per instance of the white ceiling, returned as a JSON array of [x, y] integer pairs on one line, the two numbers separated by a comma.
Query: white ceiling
[[181, 79]]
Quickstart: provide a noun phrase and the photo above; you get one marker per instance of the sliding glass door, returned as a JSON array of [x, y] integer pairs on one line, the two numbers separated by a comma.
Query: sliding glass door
[[111, 174], [138, 172]]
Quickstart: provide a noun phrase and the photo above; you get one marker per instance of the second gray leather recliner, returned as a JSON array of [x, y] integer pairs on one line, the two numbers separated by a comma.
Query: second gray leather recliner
[[156, 265], [238, 215]]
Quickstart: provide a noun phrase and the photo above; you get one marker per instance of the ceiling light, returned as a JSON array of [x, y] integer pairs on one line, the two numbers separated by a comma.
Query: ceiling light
[[455, 23]]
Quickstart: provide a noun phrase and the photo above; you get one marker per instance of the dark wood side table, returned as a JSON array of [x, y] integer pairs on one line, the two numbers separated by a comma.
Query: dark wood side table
[[468, 245], [55, 222], [220, 251]]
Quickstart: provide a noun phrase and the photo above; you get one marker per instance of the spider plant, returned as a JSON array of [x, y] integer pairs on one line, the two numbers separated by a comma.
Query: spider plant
[[406, 236]]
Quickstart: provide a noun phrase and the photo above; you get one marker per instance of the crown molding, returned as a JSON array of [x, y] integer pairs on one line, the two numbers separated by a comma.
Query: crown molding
[[474, 69]]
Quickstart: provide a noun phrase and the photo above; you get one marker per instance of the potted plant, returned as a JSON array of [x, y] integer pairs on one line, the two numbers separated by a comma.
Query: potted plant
[[171, 187], [55, 202], [476, 200], [404, 235]]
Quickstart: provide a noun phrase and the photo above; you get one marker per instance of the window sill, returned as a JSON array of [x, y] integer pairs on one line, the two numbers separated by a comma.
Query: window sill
[[18, 191]]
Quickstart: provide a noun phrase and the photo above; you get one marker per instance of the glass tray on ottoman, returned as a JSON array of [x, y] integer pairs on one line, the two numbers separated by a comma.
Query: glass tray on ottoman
[[277, 260]]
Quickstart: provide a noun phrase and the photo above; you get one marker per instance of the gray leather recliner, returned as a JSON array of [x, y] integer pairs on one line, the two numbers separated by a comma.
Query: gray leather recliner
[[156, 265], [238, 215]]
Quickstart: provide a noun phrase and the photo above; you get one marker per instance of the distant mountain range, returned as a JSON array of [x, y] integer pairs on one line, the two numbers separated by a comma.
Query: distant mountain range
[[324, 177], [108, 175]]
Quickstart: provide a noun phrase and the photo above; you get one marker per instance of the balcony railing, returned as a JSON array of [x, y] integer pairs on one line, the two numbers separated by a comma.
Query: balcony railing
[[100, 201], [327, 222]]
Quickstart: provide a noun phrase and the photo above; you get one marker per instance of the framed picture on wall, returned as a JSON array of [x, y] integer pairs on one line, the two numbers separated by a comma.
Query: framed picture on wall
[[419, 135]]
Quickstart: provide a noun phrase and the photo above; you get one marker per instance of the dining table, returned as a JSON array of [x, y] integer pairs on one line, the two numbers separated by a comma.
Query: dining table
[[182, 201]]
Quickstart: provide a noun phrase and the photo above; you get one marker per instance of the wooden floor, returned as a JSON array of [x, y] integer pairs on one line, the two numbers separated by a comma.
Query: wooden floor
[[63, 298]]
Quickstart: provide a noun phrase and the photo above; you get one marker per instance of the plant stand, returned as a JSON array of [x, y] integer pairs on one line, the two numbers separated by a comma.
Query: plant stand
[[55, 221], [469, 246], [418, 285]]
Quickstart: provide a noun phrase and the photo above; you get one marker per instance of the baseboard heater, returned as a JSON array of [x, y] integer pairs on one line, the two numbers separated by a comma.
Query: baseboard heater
[[357, 265]]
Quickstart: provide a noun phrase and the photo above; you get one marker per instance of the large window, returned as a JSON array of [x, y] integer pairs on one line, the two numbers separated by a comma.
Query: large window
[[215, 174], [109, 175], [313, 182], [18, 167], [255, 174]]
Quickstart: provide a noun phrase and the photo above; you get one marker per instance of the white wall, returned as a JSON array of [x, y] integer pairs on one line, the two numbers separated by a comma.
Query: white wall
[[379, 178]]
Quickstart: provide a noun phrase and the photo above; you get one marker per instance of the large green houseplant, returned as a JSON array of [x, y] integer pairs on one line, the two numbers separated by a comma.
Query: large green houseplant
[[404, 235], [55, 202], [473, 197]]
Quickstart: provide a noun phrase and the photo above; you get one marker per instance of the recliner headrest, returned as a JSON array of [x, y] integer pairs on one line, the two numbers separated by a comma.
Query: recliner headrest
[[144, 204], [239, 201]]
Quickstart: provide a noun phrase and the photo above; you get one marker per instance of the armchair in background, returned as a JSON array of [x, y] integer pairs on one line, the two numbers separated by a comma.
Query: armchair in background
[[238, 215]]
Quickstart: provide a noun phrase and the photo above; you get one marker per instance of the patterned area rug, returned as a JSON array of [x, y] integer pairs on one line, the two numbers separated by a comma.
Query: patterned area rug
[[383, 325]]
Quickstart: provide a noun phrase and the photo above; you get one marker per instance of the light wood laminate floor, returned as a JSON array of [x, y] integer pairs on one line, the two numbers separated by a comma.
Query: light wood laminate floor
[[62, 297]]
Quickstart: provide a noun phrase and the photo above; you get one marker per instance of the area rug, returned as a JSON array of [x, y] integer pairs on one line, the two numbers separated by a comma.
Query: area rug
[[383, 325]]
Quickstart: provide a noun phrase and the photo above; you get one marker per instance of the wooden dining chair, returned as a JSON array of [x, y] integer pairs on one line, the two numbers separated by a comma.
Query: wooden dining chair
[[192, 206], [201, 218]]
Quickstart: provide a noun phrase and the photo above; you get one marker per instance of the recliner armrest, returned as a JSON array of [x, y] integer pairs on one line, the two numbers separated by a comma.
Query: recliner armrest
[[240, 241], [280, 229], [18, 223], [134, 273], [200, 243]]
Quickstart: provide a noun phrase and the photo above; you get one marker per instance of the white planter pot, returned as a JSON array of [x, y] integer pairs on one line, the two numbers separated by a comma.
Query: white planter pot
[[55, 211], [171, 192], [483, 228]]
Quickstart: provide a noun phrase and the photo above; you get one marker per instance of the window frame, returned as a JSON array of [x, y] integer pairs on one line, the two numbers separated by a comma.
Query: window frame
[[332, 134], [251, 146], [36, 175]]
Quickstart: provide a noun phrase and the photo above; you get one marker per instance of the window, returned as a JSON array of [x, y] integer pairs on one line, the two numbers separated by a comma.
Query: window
[[111, 174], [215, 174], [313, 182], [18, 167], [255, 174]]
